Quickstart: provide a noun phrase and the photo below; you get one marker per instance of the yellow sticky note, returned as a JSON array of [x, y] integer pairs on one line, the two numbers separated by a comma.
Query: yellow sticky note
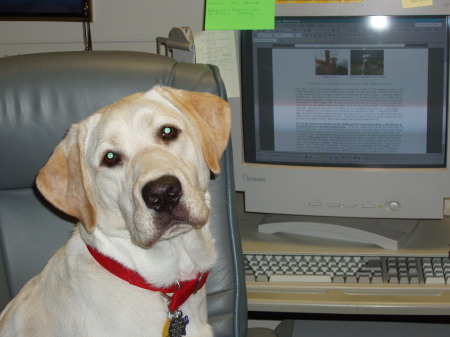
[[416, 3], [239, 14]]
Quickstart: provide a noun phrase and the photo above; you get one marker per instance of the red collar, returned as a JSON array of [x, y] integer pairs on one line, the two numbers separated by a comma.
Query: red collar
[[181, 291]]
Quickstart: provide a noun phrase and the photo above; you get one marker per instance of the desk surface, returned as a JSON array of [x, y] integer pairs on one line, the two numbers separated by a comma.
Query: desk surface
[[431, 238]]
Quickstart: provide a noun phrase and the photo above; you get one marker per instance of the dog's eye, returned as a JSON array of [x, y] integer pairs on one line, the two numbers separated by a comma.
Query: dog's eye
[[169, 132], [111, 159]]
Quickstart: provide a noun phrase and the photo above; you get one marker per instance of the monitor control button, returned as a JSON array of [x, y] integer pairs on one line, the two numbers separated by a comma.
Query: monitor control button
[[394, 205]]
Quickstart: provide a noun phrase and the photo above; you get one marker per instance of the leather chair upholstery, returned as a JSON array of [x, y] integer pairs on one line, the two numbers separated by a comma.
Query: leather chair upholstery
[[41, 96]]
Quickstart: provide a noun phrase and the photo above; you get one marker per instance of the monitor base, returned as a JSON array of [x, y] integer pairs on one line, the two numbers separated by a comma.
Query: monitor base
[[387, 233]]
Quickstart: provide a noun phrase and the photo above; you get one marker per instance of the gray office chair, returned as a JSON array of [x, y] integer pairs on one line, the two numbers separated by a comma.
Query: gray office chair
[[41, 96]]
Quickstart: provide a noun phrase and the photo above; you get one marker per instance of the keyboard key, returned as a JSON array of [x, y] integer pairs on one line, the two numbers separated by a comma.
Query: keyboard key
[[338, 279], [364, 279], [435, 280], [301, 278], [351, 279], [393, 280], [377, 280], [249, 278], [392, 271], [404, 280], [414, 280], [262, 278]]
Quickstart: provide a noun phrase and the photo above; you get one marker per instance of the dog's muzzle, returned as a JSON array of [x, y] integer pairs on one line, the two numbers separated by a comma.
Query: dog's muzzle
[[172, 210], [163, 196]]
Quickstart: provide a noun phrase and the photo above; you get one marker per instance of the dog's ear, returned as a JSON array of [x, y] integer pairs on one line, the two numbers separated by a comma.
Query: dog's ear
[[63, 180], [211, 116]]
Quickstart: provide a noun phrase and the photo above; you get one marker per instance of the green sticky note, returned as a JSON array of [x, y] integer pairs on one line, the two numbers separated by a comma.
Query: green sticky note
[[239, 14]]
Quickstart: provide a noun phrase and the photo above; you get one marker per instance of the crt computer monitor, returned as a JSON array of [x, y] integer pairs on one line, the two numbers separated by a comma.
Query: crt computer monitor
[[345, 117]]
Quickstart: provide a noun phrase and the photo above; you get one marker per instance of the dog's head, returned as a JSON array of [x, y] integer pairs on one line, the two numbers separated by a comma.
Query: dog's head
[[140, 165], [366, 59]]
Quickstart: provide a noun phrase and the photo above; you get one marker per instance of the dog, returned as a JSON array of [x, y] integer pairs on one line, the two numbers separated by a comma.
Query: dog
[[136, 175], [369, 66]]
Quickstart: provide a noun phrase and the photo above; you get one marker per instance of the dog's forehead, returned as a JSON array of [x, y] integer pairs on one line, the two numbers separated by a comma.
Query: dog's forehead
[[143, 109]]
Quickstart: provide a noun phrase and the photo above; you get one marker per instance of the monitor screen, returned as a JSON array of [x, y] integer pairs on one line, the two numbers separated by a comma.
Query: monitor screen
[[348, 92], [345, 116], [45, 10]]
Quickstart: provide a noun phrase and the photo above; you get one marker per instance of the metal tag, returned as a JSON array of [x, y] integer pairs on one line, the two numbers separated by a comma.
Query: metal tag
[[175, 325]]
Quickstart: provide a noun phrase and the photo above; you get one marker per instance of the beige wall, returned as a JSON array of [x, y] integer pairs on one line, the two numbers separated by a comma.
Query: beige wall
[[135, 24], [118, 24]]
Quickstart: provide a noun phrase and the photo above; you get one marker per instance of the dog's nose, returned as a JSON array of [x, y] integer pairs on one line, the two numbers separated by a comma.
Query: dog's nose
[[162, 194]]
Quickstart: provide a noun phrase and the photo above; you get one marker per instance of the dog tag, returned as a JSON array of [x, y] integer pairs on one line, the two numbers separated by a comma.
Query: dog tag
[[175, 325]]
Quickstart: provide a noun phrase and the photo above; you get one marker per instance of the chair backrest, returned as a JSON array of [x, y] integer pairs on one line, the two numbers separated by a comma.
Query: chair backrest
[[41, 96]]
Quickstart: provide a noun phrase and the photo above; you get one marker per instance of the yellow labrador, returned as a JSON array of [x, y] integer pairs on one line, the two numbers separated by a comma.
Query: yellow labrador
[[136, 175]]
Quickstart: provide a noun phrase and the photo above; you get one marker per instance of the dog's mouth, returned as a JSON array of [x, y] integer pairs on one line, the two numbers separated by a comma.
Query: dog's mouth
[[177, 227], [176, 221], [166, 226]]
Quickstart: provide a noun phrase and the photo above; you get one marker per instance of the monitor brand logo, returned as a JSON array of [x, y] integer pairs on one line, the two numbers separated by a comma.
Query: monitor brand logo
[[250, 179]]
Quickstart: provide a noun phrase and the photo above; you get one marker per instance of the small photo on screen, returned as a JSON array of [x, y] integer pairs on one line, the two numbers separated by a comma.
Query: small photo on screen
[[331, 62], [367, 62]]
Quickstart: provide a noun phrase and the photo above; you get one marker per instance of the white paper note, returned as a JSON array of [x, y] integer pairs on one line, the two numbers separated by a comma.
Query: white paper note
[[218, 47]]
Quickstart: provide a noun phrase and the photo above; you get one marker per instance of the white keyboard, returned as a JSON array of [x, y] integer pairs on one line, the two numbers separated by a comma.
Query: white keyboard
[[334, 269]]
